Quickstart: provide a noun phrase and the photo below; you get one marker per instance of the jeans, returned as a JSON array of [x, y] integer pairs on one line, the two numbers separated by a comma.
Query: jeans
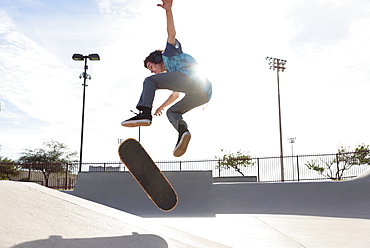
[[175, 81]]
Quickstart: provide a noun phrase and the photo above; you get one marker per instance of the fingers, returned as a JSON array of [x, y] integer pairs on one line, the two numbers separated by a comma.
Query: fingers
[[166, 4], [158, 112], [161, 5]]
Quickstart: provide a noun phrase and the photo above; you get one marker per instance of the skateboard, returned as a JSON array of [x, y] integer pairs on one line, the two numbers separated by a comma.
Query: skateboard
[[147, 174]]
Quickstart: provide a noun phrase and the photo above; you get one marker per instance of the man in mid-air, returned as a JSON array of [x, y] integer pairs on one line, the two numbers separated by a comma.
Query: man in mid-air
[[175, 71]]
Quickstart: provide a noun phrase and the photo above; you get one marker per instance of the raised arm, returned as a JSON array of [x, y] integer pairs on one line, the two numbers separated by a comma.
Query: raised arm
[[167, 5]]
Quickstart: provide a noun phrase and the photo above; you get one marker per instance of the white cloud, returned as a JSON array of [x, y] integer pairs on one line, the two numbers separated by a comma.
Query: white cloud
[[324, 23], [123, 8]]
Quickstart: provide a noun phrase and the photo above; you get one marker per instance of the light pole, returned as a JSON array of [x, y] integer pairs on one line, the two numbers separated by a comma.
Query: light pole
[[279, 65], [86, 76], [292, 141]]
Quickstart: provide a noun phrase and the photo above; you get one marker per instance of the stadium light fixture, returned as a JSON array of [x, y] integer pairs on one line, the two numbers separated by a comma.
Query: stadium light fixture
[[77, 57], [279, 65]]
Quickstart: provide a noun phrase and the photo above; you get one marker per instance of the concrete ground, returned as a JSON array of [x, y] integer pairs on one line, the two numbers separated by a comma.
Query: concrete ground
[[317, 214], [276, 230], [33, 216], [312, 214]]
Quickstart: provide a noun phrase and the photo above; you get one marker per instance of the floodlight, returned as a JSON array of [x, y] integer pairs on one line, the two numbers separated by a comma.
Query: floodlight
[[77, 56], [85, 76], [94, 56], [279, 65]]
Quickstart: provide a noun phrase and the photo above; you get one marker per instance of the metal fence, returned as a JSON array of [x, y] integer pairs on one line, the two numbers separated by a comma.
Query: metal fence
[[267, 169], [52, 175]]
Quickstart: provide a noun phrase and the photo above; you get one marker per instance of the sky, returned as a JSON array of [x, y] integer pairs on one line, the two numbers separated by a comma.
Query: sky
[[324, 90]]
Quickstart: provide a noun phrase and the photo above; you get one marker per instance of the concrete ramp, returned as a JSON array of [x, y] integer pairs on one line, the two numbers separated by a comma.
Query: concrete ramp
[[120, 190], [348, 199], [263, 215], [33, 216], [200, 197]]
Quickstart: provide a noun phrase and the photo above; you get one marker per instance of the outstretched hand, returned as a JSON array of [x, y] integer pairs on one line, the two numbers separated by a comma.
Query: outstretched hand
[[166, 4], [158, 112]]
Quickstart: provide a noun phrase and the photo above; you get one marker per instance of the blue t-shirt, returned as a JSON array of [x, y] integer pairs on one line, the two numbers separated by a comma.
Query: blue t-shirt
[[175, 60]]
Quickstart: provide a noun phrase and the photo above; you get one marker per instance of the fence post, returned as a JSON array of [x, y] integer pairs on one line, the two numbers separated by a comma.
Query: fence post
[[66, 182], [297, 168], [219, 168], [29, 171], [258, 169], [180, 165], [337, 157]]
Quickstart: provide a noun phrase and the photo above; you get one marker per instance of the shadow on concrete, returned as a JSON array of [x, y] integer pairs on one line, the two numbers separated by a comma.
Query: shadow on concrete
[[133, 241]]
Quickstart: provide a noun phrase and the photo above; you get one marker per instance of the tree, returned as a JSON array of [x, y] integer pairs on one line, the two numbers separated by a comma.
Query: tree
[[344, 160], [236, 161], [53, 157], [8, 168]]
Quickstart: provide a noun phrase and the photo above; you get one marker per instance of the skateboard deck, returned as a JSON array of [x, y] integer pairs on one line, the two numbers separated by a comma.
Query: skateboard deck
[[147, 174]]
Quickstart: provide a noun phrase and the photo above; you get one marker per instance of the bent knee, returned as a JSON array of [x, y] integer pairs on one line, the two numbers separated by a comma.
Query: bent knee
[[169, 113]]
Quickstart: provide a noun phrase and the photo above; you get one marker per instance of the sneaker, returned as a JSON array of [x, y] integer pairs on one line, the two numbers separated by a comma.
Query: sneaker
[[138, 120], [182, 142]]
